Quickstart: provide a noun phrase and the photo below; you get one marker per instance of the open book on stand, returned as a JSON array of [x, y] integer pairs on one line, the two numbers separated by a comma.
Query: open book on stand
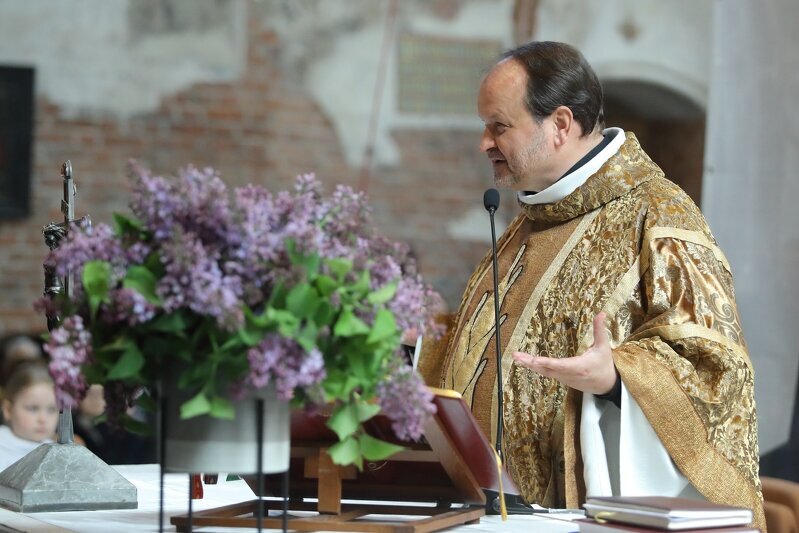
[[662, 512]]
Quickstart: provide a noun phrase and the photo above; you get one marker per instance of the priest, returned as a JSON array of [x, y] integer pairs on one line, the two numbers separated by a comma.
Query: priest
[[623, 363]]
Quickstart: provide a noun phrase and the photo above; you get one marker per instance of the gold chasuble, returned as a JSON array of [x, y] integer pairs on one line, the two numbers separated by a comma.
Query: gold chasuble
[[632, 244]]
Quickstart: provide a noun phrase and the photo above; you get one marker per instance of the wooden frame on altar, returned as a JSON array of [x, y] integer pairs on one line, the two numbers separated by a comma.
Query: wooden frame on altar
[[440, 481]]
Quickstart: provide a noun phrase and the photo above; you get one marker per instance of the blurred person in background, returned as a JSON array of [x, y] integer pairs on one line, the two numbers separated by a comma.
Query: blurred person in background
[[29, 411]]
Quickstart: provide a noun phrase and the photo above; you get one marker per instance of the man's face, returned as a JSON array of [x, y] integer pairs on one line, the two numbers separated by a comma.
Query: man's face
[[518, 146]]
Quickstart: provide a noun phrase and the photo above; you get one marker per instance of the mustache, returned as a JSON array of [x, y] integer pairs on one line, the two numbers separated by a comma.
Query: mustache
[[493, 154]]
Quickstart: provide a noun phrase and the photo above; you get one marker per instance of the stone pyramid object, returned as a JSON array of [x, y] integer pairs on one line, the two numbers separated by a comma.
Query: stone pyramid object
[[64, 477]]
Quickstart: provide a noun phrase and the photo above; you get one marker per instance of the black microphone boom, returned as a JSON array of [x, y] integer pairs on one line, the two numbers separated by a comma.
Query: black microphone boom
[[491, 203], [514, 504]]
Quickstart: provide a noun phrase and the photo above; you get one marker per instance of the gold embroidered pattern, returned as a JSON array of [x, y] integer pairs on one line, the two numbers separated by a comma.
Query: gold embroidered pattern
[[646, 256]]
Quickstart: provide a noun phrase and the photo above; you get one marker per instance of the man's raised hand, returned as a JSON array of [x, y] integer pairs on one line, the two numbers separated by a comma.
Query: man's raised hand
[[592, 371]]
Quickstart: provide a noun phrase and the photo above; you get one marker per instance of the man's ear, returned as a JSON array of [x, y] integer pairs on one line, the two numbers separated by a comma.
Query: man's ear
[[6, 410], [563, 124]]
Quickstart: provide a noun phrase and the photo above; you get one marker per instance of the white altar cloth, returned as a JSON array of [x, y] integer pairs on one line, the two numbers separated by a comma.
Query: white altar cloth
[[176, 486]]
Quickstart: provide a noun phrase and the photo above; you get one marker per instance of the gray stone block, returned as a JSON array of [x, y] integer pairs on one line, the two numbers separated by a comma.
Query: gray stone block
[[64, 477]]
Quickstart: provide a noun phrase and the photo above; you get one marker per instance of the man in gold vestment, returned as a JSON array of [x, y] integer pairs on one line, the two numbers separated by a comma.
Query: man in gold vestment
[[623, 363]]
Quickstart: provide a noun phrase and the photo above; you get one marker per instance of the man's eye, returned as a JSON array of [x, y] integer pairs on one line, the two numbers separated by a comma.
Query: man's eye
[[499, 128]]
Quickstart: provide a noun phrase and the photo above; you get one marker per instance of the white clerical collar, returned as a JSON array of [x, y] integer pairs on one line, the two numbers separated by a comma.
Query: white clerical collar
[[568, 183]]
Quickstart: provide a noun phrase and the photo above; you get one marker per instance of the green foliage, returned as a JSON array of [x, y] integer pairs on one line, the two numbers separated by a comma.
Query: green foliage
[[332, 309], [96, 282]]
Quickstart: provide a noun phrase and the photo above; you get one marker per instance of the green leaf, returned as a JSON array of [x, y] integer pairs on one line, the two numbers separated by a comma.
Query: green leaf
[[199, 405], [375, 449], [357, 364], [127, 225], [287, 323], [129, 364], [384, 326], [250, 336], [339, 385], [383, 294], [153, 264], [366, 410], [233, 343], [222, 408], [199, 374], [278, 297], [346, 452], [94, 374], [325, 285], [160, 347], [302, 300], [324, 314], [339, 267], [146, 402], [143, 281], [344, 420], [349, 325], [119, 344], [173, 322], [136, 426], [291, 251], [307, 336], [361, 287], [96, 281], [310, 263]]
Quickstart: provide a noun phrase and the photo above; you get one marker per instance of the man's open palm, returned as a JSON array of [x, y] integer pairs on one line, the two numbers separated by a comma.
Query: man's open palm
[[592, 371]]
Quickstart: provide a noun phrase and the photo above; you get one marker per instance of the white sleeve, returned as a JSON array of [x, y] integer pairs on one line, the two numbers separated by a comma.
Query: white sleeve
[[622, 454]]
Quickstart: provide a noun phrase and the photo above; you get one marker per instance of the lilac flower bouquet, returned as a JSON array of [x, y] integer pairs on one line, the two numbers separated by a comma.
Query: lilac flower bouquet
[[240, 290]]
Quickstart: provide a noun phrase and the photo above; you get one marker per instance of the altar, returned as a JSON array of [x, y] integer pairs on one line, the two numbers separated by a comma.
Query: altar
[[176, 489]]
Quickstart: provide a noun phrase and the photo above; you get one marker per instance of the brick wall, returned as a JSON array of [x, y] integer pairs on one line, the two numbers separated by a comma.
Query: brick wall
[[259, 129]]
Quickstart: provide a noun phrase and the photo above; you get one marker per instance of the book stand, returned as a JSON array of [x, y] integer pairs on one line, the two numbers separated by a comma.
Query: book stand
[[438, 482]]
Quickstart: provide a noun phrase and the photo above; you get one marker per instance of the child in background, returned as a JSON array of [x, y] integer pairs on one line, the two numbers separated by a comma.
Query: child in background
[[17, 348], [30, 412]]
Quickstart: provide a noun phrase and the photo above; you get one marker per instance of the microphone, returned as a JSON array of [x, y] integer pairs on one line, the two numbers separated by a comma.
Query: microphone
[[491, 203], [513, 503]]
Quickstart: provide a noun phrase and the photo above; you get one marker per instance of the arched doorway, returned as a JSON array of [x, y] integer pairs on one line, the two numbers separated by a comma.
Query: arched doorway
[[670, 127]]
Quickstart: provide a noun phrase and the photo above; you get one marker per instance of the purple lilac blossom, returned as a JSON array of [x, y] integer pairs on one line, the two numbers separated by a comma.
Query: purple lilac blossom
[[194, 279], [69, 347], [155, 202], [197, 202], [222, 250], [137, 252], [285, 364], [406, 401], [205, 210], [88, 243], [259, 245], [127, 306]]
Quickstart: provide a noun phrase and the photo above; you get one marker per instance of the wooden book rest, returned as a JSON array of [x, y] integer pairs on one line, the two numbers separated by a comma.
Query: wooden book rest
[[437, 483]]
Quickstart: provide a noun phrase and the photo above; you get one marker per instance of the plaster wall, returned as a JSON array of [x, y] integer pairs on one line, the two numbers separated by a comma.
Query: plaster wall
[[750, 188], [121, 58]]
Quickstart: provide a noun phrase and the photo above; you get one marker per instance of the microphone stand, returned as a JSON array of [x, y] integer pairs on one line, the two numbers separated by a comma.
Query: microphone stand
[[513, 503], [492, 208]]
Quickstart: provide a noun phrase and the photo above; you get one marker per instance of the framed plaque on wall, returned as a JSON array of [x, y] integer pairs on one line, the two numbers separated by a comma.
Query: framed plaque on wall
[[16, 137]]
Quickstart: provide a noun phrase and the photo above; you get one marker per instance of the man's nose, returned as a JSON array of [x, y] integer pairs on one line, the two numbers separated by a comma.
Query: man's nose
[[487, 141]]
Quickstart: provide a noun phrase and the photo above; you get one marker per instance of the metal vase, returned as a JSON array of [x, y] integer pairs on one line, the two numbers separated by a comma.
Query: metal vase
[[206, 444]]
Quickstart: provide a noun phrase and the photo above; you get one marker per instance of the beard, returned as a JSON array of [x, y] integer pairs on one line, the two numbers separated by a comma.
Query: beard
[[518, 170]]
